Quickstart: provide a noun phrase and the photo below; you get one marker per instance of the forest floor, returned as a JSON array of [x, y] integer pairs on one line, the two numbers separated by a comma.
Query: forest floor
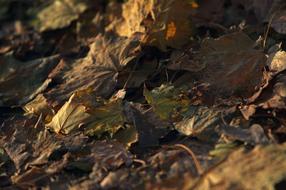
[[143, 94]]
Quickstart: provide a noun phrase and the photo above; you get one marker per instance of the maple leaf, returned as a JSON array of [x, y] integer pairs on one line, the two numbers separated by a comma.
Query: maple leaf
[[167, 101], [70, 116], [98, 71]]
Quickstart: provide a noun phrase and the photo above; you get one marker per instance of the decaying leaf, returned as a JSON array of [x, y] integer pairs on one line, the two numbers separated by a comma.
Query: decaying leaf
[[39, 106], [29, 78], [166, 23], [60, 14], [264, 165], [98, 71], [201, 122], [167, 101], [232, 65]]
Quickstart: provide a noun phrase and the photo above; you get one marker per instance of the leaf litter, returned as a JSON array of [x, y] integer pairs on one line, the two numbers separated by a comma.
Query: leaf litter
[[153, 94]]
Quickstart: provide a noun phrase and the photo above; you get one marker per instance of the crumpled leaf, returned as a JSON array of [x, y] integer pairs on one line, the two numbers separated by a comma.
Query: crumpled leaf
[[166, 23], [60, 14], [39, 106], [201, 122], [98, 71], [231, 64], [265, 165], [272, 96], [29, 78], [277, 61], [167, 101]]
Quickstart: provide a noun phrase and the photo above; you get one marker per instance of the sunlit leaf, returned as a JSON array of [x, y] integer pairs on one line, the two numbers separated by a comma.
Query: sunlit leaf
[[60, 14], [166, 23]]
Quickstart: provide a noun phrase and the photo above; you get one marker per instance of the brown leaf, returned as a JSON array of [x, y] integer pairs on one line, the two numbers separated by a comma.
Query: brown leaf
[[27, 79], [232, 66], [166, 23], [98, 71], [264, 164]]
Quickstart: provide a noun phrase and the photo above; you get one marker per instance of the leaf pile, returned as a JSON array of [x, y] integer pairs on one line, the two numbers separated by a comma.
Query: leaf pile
[[142, 94]]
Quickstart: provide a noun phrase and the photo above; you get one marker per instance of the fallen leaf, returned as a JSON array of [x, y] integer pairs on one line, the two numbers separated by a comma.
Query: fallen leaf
[[264, 164], [39, 106], [232, 66], [98, 71], [201, 122], [60, 14], [70, 116], [107, 118], [277, 61], [165, 23], [167, 101], [29, 78]]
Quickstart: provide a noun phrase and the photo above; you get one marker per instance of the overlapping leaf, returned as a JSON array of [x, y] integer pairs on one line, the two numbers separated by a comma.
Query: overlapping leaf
[[166, 23], [97, 71], [96, 115], [167, 101], [29, 78]]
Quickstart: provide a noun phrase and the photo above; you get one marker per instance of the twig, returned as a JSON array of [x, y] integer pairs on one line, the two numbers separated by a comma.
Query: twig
[[192, 154], [267, 30], [132, 71]]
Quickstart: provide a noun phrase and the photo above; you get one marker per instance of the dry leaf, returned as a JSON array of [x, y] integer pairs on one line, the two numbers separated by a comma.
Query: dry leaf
[[98, 71], [60, 14], [166, 23], [232, 66], [200, 121], [28, 79], [264, 165], [70, 116]]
